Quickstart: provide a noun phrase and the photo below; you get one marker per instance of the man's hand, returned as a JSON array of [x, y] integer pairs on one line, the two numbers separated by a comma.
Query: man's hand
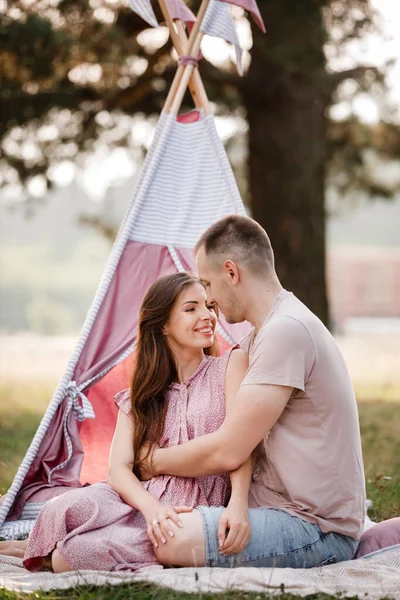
[[234, 528], [146, 467]]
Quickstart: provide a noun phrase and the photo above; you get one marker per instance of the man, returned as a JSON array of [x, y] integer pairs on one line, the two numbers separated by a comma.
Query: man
[[296, 406]]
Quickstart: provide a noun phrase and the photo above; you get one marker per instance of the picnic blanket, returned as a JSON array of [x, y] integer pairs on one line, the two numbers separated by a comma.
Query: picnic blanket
[[375, 577]]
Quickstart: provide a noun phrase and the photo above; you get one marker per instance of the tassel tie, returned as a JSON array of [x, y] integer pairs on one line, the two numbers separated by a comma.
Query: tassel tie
[[81, 409], [188, 60]]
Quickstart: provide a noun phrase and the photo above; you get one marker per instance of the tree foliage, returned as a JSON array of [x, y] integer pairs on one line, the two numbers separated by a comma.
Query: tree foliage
[[70, 70], [73, 72]]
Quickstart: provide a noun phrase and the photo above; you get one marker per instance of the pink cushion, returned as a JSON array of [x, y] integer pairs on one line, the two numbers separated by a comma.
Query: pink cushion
[[381, 535]]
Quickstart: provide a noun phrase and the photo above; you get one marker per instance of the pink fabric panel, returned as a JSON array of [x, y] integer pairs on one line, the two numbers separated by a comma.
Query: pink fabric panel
[[190, 117], [52, 452], [96, 434], [251, 7], [116, 325], [178, 10], [237, 331], [114, 331]]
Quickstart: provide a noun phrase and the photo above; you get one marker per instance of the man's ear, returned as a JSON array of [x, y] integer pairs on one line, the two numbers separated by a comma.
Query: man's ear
[[232, 270]]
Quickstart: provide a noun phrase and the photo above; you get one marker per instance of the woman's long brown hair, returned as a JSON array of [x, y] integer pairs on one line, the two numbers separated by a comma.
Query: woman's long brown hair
[[155, 366]]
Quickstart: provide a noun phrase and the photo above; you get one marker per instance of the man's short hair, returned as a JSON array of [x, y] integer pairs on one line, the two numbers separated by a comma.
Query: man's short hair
[[240, 239]]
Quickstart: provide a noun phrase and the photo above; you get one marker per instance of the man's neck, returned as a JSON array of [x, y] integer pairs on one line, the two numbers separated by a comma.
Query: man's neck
[[260, 300]]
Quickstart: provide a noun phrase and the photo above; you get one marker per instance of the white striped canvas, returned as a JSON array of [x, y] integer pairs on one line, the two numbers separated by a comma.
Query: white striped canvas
[[190, 186], [31, 510], [14, 530], [144, 9]]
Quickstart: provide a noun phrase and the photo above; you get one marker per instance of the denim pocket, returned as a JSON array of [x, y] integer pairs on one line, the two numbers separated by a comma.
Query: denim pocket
[[352, 544], [328, 561]]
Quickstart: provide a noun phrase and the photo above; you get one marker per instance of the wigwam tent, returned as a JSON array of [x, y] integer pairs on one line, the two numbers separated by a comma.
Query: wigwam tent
[[186, 184]]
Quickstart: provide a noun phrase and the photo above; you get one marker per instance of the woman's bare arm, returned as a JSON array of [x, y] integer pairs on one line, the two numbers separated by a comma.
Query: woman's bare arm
[[122, 479], [120, 464]]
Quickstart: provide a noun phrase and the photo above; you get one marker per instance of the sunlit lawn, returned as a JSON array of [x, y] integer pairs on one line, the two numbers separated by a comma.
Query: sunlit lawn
[[22, 406]]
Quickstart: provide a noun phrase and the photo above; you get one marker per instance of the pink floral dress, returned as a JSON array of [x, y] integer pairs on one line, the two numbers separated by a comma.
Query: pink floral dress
[[94, 529]]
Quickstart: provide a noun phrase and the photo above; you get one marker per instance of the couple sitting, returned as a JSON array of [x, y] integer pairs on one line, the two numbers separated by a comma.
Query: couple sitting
[[263, 441]]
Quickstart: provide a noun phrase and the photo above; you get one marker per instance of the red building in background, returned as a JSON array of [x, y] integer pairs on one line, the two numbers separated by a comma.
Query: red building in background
[[363, 282]]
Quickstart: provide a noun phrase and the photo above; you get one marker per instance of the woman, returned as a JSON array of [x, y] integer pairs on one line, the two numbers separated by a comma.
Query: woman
[[180, 390]]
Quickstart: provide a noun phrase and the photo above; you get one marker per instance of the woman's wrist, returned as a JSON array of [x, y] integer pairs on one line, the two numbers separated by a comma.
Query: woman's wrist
[[146, 501], [150, 507]]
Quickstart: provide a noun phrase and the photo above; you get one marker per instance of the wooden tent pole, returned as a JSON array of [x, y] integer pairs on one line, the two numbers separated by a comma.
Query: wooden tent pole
[[184, 72], [180, 41], [185, 77], [201, 100]]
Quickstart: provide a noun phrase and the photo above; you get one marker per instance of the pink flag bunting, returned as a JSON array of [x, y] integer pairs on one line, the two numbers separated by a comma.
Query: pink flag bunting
[[178, 10], [251, 7]]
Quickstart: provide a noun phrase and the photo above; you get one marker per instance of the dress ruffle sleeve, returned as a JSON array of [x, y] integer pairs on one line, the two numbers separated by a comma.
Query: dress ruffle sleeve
[[123, 401]]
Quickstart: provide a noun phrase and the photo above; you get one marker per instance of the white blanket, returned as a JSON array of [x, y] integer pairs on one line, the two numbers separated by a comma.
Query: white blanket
[[376, 577]]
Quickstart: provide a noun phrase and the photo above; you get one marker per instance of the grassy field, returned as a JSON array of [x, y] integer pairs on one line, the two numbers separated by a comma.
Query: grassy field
[[142, 591], [22, 405]]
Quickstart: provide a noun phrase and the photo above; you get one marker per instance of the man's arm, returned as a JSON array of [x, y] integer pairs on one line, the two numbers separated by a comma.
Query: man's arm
[[235, 374], [283, 356], [254, 412]]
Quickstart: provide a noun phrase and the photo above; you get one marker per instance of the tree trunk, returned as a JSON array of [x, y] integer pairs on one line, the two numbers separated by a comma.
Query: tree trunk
[[284, 97]]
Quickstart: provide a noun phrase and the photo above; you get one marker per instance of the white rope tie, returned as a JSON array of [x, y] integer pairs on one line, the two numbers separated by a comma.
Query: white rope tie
[[82, 410]]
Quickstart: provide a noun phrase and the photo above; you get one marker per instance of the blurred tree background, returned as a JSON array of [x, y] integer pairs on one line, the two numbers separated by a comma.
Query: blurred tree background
[[74, 72]]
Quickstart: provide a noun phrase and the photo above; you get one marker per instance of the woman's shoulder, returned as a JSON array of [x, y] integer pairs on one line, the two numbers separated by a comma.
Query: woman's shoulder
[[123, 401], [232, 359], [238, 357], [238, 361]]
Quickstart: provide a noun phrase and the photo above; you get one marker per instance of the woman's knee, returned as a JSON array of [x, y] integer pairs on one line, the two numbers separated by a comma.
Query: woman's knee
[[187, 547], [58, 563]]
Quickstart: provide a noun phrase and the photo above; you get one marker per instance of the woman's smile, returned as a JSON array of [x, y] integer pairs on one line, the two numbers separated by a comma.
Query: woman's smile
[[205, 330]]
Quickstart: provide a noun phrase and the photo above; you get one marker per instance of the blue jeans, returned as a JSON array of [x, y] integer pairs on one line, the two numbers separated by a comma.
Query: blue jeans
[[277, 540]]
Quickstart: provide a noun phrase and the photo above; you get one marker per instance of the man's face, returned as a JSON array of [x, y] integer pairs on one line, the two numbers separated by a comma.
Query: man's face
[[219, 288]]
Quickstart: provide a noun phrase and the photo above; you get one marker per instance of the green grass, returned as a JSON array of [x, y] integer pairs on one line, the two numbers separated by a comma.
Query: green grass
[[150, 592], [22, 406], [380, 432]]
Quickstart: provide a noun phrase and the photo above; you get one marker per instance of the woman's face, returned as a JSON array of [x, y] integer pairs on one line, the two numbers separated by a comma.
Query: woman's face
[[192, 321]]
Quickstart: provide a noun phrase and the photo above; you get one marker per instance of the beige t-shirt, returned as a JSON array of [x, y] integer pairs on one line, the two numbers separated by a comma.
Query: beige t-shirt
[[310, 463]]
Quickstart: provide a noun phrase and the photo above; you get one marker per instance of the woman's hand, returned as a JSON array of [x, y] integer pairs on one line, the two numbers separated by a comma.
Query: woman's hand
[[234, 528], [159, 518]]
